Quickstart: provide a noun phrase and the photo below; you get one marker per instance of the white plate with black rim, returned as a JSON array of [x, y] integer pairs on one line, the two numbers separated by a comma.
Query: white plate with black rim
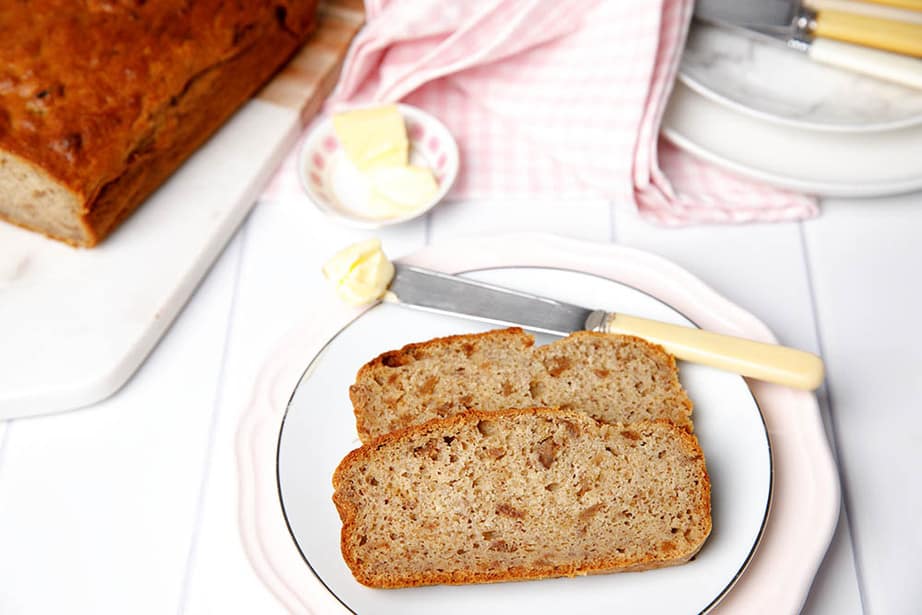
[[319, 429]]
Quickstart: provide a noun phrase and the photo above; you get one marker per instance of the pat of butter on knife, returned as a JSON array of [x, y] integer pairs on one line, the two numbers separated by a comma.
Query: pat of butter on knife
[[360, 273]]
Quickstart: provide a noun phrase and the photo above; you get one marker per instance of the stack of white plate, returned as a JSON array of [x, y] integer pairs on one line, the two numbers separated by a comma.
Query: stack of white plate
[[769, 113]]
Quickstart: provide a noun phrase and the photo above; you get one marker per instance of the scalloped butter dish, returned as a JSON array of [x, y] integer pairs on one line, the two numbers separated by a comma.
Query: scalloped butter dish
[[366, 195]]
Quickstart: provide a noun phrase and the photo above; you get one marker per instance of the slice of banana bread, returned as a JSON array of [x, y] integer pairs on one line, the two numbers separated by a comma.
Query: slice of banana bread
[[482, 497], [613, 378]]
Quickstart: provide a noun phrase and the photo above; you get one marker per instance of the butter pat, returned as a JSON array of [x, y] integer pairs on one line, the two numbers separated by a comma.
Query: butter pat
[[402, 189], [360, 273], [374, 137]]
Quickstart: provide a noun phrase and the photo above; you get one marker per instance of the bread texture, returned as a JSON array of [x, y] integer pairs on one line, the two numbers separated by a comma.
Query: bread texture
[[520, 494], [101, 100], [613, 378]]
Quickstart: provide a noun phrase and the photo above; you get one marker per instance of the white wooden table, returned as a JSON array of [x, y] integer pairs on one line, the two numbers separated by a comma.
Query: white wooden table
[[130, 506]]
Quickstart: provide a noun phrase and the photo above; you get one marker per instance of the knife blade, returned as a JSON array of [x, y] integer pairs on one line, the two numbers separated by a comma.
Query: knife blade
[[433, 291], [449, 294], [778, 15]]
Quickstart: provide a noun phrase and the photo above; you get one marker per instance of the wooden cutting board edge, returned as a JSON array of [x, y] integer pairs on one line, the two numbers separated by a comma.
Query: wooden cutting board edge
[[309, 77]]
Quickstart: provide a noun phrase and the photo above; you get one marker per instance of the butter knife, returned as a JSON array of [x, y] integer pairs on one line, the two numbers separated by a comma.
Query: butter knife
[[448, 294]]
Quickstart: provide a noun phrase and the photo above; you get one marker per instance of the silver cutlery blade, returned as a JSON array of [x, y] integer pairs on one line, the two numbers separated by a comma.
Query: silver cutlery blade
[[446, 294], [760, 14]]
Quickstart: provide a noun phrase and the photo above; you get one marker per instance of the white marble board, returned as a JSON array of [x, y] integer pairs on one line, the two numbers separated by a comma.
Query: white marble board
[[75, 324]]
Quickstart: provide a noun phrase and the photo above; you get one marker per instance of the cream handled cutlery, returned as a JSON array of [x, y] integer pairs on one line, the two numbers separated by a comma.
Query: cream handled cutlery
[[439, 292], [880, 48]]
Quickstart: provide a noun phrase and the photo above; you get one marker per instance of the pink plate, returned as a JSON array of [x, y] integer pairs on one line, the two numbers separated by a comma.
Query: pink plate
[[805, 497]]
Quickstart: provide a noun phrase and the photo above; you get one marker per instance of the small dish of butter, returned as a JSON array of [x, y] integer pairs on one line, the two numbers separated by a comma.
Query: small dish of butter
[[378, 165]]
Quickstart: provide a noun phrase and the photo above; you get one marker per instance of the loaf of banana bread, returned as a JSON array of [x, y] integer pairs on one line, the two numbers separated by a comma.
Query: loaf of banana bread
[[100, 100]]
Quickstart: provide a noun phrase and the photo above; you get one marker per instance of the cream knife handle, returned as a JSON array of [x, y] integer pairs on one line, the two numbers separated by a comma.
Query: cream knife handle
[[769, 362], [897, 36], [872, 62], [912, 5]]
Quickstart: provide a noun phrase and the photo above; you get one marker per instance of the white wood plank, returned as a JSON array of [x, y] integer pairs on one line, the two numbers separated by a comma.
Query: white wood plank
[[583, 219], [835, 589], [760, 267], [865, 259], [3, 433], [285, 245], [97, 505]]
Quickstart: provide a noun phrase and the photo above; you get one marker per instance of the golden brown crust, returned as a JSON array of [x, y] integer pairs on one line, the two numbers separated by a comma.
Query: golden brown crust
[[109, 96], [602, 566], [348, 512], [414, 350]]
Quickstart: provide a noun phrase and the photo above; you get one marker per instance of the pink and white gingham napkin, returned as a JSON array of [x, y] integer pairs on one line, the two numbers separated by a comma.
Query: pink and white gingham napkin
[[550, 98]]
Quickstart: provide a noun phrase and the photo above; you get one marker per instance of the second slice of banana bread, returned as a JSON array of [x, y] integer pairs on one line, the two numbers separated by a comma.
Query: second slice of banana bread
[[613, 378]]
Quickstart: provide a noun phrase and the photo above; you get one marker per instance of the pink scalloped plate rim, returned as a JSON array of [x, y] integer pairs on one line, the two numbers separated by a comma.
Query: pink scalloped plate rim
[[805, 498]]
